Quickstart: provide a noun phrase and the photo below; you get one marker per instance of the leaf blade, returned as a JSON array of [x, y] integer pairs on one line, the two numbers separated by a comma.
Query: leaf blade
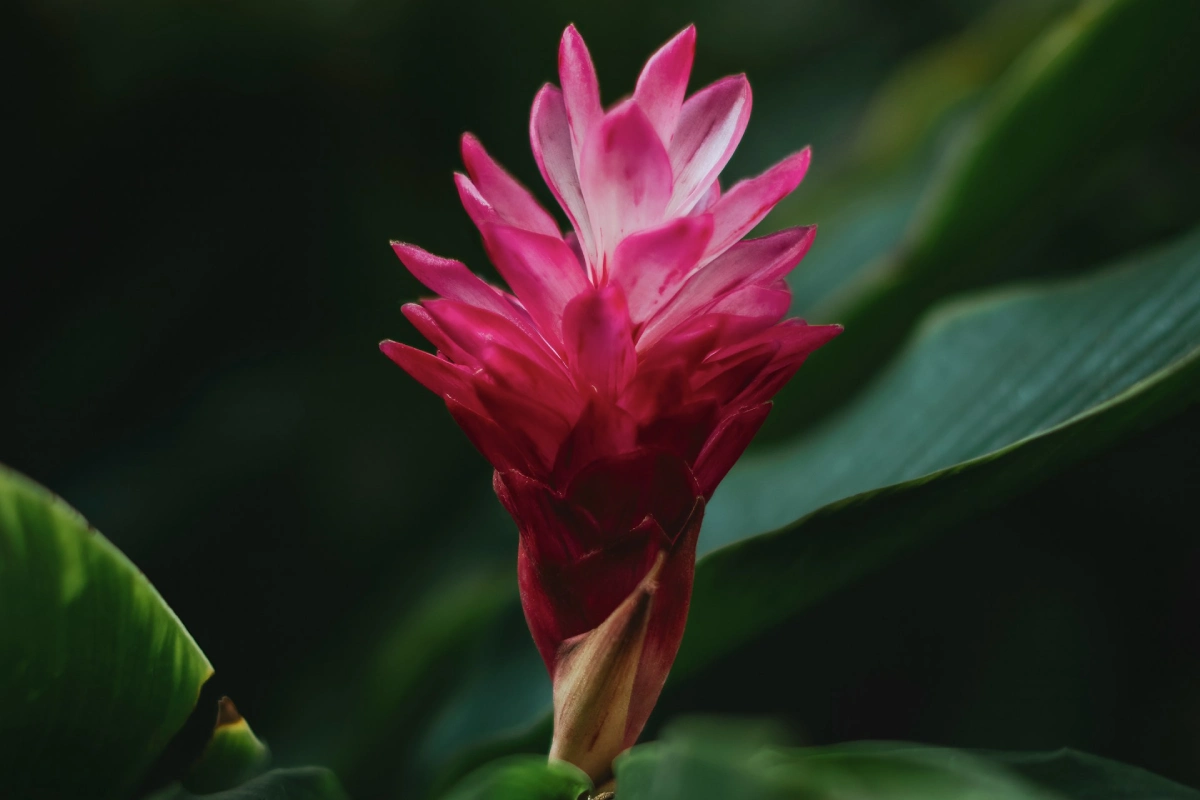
[[96, 672], [844, 529]]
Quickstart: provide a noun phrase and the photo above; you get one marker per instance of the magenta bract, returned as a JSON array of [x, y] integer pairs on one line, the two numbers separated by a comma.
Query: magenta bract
[[624, 374]]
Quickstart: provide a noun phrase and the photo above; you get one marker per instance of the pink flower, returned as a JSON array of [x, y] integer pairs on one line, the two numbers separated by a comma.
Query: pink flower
[[630, 366]]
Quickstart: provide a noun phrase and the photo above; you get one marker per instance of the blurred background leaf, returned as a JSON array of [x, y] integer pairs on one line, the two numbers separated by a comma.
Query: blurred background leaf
[[1102, 81], [702, 764], [197, 271], [305, 783], [703, 759], [232, 756], [523, 778]]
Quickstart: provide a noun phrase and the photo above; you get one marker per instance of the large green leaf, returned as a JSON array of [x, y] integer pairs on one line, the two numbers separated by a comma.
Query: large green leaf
[[980, 375], [96, 672], [304, 783], [995, 394], [731, 759], [1048, 127]]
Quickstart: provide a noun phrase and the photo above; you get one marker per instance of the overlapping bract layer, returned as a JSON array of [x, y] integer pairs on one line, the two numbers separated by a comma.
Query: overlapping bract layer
[[635, 356]]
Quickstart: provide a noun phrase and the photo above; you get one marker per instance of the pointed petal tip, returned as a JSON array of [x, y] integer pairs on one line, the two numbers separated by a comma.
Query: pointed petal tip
[[739, 80], [823, 334], [686, 37], [581, 88], [662, 84], [411, 254], [418, 255], [393, 350], [572, 45], [492, 192], [548, 93], [405, 251], [473, 151], [467, 144], [827, 333], [798, 163]]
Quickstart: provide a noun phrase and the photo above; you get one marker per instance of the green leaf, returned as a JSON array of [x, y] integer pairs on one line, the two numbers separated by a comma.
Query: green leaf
[[523, 778], [305, 783], [1049, 125], [723, 759], [96, 672], [994, 394]]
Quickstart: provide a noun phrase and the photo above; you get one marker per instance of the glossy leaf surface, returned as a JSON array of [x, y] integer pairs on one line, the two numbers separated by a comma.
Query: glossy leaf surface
[[995, 394], [96, 672]]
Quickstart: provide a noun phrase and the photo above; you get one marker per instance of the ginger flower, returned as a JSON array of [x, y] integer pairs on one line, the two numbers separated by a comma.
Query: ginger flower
[[624, 373]]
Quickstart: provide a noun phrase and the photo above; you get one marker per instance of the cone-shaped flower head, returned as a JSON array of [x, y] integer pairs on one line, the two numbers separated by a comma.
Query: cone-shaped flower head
[[625, 372]]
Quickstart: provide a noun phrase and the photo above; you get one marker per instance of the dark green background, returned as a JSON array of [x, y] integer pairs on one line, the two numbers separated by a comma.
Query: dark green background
[[196, 273]]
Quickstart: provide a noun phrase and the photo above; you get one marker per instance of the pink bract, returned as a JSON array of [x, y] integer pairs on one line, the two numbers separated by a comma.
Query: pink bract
[[629, 366]]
